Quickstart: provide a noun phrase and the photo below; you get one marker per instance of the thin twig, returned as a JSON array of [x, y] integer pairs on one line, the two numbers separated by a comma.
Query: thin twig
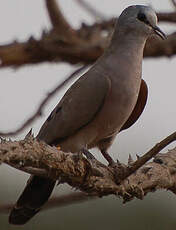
[[92, 11], [39, 111], [173, 3], [58, 20], [150, 154], [55, 14], [167, 17]]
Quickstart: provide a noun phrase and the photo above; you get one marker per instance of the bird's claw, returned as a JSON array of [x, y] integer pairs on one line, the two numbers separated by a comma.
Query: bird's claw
[[119, 171]]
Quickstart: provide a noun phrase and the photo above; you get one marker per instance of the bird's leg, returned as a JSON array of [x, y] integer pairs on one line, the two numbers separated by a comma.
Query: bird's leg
[[119, 169], [88, 154], [108, 157]]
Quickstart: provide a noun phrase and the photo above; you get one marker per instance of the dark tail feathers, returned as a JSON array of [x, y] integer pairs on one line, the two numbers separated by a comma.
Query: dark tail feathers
[[35, 194]]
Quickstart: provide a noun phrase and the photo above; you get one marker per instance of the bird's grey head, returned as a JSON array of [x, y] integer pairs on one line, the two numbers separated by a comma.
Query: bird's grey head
[[140, 20]]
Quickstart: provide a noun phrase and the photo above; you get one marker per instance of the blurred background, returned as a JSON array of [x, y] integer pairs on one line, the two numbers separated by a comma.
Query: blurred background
[[21, 91]]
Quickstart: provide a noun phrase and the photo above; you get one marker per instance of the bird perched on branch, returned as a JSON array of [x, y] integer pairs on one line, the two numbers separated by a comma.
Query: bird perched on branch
[[108, 98]]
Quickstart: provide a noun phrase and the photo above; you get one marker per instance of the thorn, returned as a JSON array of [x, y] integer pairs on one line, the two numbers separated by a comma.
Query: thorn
[[15, 41], [130, 160], [29, 180], [59, 181], [29, 134], [2, 140], [83, 24], [40, 113], [118, 162], [44, 33], [138, 157], [31, 39]]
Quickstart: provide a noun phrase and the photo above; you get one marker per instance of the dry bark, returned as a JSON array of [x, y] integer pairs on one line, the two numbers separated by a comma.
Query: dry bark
[[91, 176], [84, 45]]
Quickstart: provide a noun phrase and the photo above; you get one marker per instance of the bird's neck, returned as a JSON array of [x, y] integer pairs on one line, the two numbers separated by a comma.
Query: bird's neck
[[128, 41], [122, 61], [123, 57], [126, 52]]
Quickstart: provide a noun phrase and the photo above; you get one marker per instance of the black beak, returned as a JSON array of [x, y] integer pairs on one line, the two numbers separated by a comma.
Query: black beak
[[159, 32]]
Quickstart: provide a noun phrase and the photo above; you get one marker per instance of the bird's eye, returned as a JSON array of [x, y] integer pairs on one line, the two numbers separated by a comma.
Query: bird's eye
[[142, 17]]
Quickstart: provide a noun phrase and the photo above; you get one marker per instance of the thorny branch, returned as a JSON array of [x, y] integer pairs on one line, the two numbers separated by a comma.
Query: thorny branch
[[150, 154], [91, 176], [85, 45]]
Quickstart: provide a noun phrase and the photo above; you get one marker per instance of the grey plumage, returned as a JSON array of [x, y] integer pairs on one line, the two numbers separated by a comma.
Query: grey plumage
[[98, 105]]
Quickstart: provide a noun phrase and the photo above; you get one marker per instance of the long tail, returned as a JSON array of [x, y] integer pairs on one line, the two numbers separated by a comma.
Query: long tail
[[35, 194]]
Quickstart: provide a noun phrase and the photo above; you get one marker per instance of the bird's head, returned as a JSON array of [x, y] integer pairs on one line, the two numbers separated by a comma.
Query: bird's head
[[141, 20]]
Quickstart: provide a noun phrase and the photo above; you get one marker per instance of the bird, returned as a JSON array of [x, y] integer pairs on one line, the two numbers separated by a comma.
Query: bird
[[105, 100]]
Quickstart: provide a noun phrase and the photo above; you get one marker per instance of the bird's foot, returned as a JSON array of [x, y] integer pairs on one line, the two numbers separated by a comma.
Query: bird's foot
[[119, 169], [88, 154]]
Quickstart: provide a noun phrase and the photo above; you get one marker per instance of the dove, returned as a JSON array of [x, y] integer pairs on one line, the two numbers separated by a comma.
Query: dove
[[105, 100]]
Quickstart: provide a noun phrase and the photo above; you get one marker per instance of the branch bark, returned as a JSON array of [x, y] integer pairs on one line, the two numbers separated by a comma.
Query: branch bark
[[85, 45], [59, 22], [91, 177]]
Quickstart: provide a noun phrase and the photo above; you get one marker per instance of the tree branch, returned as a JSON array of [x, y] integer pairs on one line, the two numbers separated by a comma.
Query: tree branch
[[91, 177], [173, 3], [167, 17], [134, 166], [64, 44], [59, 22]]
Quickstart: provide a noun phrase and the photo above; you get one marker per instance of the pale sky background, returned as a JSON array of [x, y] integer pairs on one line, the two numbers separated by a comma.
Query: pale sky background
[[22, 90]]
